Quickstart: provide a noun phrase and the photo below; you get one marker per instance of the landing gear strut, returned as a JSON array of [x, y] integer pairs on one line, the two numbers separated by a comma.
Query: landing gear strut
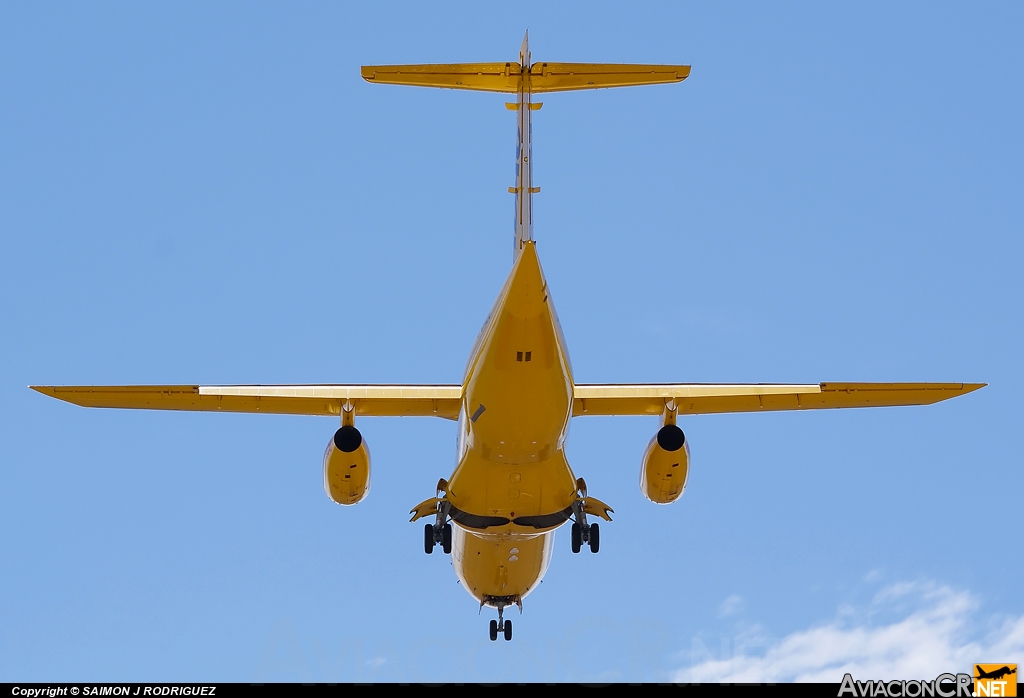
[[439, 532], [583, 532], [501, 625]]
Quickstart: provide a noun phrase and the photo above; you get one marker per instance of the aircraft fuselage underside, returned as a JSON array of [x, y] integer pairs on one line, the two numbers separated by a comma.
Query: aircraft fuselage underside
[[513, 485]]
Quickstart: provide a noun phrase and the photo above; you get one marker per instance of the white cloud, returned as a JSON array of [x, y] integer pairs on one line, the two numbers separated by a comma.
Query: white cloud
[[873, 576], [934, 631], [731, 606]]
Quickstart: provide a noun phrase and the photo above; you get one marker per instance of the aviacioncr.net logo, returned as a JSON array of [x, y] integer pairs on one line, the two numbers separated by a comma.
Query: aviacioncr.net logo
[[942, 686]]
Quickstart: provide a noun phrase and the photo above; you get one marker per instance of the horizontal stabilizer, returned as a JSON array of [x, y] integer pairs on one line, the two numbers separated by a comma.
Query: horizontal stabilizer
[[489, 77], [537, 79], [711, 398], [561, 77], [371, 400]]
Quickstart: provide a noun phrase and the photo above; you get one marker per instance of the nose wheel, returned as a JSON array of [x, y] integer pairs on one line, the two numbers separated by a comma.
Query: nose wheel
[[500, 626]]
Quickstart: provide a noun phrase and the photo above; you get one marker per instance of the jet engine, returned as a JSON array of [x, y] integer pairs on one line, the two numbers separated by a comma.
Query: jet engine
[[347, 467], [666, 465]]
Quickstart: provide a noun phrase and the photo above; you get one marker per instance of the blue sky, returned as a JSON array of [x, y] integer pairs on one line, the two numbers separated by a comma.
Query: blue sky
[[211, 194]]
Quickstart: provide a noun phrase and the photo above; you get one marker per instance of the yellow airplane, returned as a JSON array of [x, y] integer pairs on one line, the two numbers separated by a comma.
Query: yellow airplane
[[512, 485]]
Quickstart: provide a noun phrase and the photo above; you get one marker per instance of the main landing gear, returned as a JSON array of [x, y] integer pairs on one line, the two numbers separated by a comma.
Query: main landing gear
[[439, 532], [582, 532], [432, 536]]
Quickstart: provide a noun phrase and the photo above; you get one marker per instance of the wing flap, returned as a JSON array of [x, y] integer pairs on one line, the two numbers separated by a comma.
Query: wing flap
[[709, 398], [368, 400]]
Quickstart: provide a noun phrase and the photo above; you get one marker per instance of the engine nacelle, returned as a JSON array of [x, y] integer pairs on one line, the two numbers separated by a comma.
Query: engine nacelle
[[666, 466], [347, 467]]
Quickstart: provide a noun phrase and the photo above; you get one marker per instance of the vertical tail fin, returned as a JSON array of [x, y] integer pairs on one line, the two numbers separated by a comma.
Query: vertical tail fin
[[524, 190], [524, 79]]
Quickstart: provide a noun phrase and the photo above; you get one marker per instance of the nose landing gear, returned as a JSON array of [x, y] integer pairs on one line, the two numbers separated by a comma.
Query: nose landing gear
[[500, 625]]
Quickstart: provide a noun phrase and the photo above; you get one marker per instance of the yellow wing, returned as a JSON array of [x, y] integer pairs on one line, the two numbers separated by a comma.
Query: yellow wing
[[370, 400], [709, 398], [543, 77], [444, 400]]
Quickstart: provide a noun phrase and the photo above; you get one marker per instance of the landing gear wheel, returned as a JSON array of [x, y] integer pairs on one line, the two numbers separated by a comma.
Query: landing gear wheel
[[494, 630], [595, 538], [428, 539], [577, 538], [508, 630], [446, 539]]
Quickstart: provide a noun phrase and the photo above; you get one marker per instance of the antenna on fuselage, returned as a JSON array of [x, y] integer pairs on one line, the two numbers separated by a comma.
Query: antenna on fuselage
[[524, 79]]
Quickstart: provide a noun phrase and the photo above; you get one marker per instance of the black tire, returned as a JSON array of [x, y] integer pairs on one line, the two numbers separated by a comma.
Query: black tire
[[446, 539], [494, 630], [428, 539], [508, 630], [577, 538], [595, 538]]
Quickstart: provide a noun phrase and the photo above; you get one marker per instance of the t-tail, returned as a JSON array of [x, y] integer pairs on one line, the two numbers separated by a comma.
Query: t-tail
[[525, 79]]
